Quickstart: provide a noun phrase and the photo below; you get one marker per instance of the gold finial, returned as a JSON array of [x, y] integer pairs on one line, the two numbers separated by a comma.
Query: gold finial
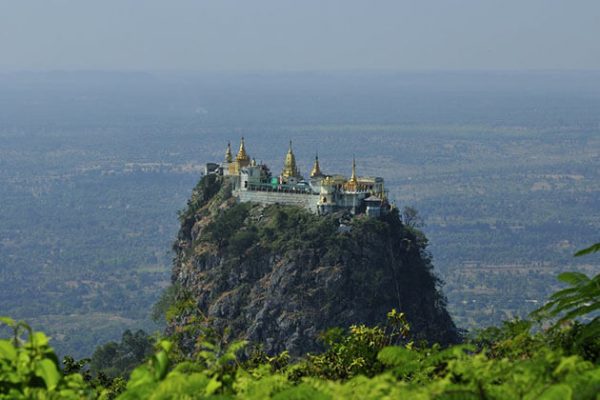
[[228, 157], [316, 169], [242, 155]]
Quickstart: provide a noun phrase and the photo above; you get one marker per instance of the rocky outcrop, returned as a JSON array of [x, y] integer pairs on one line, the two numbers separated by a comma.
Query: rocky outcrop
[[279, 275]]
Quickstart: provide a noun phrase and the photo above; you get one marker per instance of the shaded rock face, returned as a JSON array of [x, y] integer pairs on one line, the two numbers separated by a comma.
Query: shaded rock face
[[278, 275]]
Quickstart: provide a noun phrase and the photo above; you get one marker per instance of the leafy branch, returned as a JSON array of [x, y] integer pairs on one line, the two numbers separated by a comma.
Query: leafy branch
[[592, 249]]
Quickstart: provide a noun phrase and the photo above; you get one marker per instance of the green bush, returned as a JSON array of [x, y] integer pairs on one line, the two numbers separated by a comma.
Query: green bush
[[29, 369]]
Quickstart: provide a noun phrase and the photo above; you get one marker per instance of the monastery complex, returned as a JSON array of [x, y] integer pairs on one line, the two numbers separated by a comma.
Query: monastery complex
[[321, 193]]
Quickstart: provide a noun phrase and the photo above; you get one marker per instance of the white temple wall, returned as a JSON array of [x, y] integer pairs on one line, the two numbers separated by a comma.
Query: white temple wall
[[308, 201]]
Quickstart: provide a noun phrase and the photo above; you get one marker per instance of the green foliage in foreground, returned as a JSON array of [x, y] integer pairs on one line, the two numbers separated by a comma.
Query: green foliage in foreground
[[514, 361], [29, 368]]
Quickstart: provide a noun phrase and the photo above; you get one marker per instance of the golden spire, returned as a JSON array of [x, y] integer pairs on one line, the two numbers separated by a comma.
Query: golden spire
[[242, 155], [228, 157], [316, 169], [353, 177], [289, 167], [352, 183]]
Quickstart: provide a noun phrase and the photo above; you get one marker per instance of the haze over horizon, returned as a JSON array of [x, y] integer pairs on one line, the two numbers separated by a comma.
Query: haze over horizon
[[283, 35]]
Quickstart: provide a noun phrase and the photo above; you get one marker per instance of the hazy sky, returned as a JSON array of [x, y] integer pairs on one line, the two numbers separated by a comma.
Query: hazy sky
[[299, 34]]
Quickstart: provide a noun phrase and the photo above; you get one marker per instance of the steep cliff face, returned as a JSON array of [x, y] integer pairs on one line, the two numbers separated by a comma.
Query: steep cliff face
[[280, 275]]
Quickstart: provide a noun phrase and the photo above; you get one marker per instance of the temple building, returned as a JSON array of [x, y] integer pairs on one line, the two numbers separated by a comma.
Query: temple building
[[242, 159], [289, 174], [321, 193]]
